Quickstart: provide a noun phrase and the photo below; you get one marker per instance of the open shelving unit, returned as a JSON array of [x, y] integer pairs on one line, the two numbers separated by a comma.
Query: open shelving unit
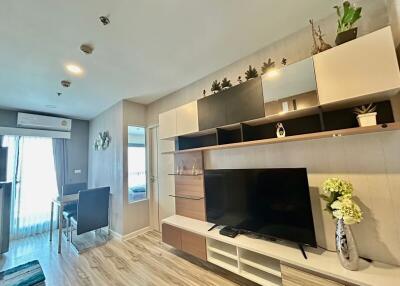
[[253, 266], [313, 124]]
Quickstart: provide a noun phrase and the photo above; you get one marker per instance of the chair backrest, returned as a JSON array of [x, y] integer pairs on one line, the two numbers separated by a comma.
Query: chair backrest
[[93, 207], [72, 189]]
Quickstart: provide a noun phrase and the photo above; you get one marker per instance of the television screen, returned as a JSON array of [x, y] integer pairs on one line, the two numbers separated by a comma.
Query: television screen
[[271, 202]]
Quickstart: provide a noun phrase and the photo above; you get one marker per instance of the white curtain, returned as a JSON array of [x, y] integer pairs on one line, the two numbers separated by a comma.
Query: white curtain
[[31, 169]]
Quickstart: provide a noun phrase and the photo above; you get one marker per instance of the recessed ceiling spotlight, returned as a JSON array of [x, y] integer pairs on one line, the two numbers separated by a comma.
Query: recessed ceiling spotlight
[[65, 83], [87, 49], [104, 20], [74, 69], [59, 93]]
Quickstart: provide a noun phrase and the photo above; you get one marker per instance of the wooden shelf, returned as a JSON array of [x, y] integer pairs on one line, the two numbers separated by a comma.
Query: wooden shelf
[[303, 137], [194, 198], [187, 175]]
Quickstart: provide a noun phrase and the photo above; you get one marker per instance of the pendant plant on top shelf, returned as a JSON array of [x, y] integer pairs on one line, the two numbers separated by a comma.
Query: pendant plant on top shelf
[[267, 66], [216, 86], [251, 73], [225, 84], [348, 16]]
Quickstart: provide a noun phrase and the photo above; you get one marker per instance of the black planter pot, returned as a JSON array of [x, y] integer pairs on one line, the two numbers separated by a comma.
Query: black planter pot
[[346, 36]]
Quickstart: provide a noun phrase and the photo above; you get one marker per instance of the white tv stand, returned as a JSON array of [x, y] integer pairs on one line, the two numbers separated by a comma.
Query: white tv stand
[[270, 263]]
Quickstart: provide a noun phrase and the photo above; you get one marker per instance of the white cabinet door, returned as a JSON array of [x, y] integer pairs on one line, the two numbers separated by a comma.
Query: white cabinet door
[[187, 120], [167, 122], [365, 66]]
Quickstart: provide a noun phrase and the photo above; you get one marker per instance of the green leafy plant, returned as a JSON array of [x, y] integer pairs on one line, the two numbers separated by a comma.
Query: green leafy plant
[[348, 16], [226, 83], [338, 195], [216, 86], [251, 73], [267, 66], [364, 109]]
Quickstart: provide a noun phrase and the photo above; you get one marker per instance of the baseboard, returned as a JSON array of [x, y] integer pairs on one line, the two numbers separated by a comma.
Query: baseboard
[[133, 234]]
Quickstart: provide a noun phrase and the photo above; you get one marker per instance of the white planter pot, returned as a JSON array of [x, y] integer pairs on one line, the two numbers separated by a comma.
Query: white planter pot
[[368, 119]]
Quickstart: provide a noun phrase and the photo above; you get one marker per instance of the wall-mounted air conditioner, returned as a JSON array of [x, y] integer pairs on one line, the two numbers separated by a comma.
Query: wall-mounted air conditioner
[[35, 121]]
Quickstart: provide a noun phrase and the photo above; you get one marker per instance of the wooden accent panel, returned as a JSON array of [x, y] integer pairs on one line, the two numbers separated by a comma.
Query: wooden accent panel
[[194, 244], [190, 208], [172, 236], [189, 186], [295, 277]]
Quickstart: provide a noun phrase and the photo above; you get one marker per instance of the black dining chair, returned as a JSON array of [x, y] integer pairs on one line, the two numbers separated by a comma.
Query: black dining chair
[[93, 211], [70, 209]]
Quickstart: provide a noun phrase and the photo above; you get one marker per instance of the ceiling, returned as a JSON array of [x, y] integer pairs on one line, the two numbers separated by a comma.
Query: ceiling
[[150, 49]]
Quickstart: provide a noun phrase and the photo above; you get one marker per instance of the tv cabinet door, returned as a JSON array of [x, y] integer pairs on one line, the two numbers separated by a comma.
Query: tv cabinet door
[[172, 236], [194, 244], [295, 277]]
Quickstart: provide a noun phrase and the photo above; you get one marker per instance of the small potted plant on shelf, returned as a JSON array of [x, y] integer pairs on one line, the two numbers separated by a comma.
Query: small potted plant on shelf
[[348, 16], [366, 115], [251, 73], [338, 195], [216, 86], [226, 83]]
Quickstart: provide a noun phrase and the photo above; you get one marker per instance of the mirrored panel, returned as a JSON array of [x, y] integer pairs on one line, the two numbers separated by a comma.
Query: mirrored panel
[[290, 88], [137, 180]]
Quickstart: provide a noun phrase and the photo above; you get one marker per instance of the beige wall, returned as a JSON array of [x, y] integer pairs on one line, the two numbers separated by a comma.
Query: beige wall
[[136, 215], [368, 161], [105, 166], [109, 167]]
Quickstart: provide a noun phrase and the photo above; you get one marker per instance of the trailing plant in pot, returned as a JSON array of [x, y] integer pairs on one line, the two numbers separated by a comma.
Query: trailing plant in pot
[[348, 15], [338, 195], [366, 115]]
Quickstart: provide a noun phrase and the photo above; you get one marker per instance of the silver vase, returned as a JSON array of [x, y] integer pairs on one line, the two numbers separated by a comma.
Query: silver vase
[[345, 246]]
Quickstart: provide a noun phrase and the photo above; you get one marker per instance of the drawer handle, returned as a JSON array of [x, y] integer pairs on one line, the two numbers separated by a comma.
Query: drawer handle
[[187, 197]]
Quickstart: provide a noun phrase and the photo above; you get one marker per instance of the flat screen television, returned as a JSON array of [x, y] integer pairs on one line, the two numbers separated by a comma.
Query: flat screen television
[[274, 203]]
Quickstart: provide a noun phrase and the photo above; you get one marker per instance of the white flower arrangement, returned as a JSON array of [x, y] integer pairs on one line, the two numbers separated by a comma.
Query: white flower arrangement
[[338, 195]]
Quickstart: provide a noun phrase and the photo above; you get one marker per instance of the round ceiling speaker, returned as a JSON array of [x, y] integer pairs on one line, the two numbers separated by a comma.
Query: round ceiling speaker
[[65, 83], [87, 49]]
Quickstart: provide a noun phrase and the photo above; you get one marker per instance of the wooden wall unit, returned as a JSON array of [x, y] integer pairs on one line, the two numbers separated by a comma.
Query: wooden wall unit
[[172, 235], [187, 119], [365, 66], [167, 121]]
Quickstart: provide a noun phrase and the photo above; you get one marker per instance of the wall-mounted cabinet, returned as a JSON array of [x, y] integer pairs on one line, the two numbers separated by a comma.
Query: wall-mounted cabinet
[[290, 88], [365, 66], [239, 103], [179, 121]]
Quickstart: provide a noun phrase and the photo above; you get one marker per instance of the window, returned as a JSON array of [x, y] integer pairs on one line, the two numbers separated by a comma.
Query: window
[[137, 179]]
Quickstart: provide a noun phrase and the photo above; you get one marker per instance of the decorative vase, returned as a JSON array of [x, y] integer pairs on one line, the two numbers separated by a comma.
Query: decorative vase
[[280, 130], [367, 119], [346, 36], [345, 246]]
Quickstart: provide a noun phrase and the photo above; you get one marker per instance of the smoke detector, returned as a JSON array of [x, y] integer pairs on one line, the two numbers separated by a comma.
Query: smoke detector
[[104, 20], [65, 83], [87, 49]]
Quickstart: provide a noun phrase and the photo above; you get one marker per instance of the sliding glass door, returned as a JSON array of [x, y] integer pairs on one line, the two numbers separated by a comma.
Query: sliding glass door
[[31, 169]]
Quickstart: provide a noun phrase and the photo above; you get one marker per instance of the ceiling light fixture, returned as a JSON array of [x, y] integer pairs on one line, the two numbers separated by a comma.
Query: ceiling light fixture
[[74, 69], [104, 20], [87, 48]]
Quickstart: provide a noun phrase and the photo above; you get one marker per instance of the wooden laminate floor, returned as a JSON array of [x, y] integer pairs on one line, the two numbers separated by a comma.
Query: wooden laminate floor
[[143, 260]]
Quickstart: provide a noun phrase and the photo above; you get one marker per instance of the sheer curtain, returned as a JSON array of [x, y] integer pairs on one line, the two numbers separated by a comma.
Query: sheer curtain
[[31, 169]]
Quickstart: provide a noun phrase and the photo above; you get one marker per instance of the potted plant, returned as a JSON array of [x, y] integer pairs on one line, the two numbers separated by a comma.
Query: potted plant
[[338, 195], [226, 83], [251, 73], [216, 86], [348, 16], [366, 115]]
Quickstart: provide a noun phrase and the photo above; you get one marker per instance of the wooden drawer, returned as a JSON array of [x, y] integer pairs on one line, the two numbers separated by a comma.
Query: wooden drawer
[[194, 244], [189, 186], [172, 236], [295, 277], [190, 208]]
